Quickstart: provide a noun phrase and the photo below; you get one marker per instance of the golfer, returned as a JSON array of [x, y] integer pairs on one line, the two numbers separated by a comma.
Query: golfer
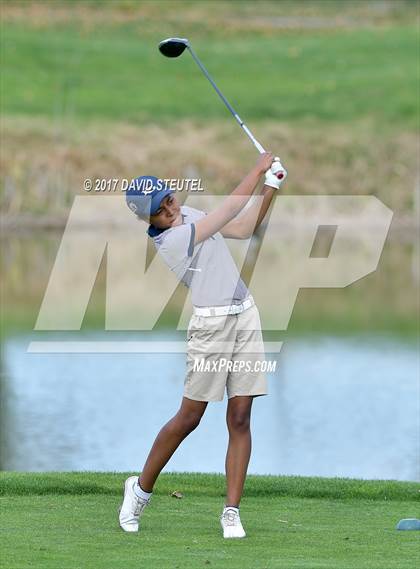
[[224, 329]]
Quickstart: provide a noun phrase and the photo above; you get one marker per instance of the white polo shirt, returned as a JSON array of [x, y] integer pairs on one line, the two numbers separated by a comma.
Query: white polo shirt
[[207, 268]]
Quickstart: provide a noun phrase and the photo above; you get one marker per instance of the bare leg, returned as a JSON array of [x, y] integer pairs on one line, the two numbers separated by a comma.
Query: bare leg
[[169, 438], [239, 449]]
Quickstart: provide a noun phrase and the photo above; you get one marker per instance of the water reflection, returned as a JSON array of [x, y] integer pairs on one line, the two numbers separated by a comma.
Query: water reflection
[[336, 408]]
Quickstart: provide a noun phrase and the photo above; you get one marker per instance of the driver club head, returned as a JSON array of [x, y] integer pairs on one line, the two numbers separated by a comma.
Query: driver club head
[[173, 47]]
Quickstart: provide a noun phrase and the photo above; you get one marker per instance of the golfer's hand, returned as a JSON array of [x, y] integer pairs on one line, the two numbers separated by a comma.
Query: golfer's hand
[[264, 162], [276, 175]]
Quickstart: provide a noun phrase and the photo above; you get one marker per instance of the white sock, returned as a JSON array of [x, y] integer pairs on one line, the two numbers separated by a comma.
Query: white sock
[[231, 508], [140, 493]]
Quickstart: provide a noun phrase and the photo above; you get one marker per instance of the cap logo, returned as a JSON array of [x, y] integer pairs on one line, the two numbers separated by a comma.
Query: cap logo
[[148, 189], [144, 185]]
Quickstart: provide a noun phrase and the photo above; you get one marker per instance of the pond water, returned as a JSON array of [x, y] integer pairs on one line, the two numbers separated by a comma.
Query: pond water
[[337, 407]]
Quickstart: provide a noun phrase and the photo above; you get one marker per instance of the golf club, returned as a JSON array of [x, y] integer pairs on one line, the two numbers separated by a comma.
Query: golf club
[[174, 47]]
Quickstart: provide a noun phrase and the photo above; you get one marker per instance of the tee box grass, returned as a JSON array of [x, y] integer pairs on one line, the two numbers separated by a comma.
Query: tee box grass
[[70, 520]]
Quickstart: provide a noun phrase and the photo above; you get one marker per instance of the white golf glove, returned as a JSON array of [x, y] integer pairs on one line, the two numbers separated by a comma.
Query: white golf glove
[[276, 175]]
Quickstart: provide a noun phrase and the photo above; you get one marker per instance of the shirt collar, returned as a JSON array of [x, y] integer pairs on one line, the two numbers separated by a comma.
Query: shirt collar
[[155, 231]]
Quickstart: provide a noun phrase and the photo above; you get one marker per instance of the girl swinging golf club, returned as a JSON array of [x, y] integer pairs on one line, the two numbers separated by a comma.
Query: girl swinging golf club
[[225, 324]]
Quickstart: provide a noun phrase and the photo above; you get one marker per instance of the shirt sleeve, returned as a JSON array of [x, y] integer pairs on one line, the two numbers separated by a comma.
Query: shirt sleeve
[[178, 245]]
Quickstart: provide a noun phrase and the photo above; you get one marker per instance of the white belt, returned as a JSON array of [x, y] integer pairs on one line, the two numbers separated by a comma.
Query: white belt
[[224, 310]]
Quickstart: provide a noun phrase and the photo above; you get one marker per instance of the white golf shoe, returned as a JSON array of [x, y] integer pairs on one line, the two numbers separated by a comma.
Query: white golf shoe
[[132, 507], [231, 524]]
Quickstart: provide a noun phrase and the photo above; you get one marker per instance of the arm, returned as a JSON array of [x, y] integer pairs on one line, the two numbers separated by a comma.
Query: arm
[[245, 224], [234, 203]]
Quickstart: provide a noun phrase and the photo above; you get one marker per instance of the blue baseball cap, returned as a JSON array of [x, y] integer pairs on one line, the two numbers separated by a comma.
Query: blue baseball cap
[[145, 193]]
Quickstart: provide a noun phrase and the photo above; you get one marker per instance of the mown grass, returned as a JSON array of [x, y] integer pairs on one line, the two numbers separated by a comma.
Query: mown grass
[[200, 484], [116, 72], [85, 93], [69, 520]]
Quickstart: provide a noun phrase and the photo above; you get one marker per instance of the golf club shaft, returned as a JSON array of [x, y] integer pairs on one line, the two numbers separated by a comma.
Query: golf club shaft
[[226, 102]]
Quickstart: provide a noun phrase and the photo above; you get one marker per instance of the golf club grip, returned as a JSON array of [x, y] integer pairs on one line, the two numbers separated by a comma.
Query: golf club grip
[[257, 145]]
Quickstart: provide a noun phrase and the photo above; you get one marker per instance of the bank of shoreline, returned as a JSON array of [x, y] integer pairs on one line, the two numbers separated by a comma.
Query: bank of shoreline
[[208, 484]]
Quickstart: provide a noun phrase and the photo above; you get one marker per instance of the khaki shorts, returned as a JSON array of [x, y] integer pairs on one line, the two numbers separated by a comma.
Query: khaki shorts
[[225, 352]]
